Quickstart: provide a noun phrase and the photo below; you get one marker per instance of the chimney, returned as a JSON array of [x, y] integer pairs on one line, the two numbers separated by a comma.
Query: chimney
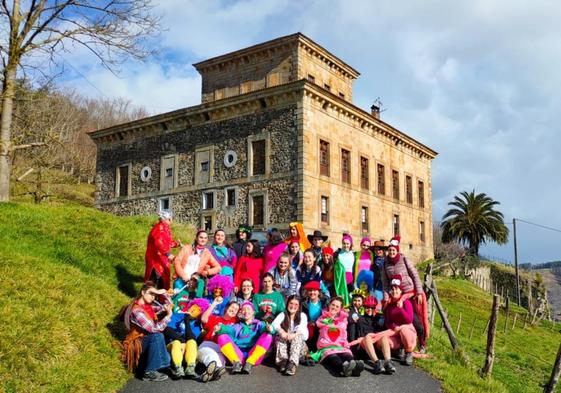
[[375, 110]]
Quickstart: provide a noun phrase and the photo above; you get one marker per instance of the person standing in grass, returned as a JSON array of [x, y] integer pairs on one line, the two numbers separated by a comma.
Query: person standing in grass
[[158, 255], [145, 320]]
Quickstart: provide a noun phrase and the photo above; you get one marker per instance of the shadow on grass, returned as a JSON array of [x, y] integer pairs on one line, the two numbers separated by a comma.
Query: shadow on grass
[[126, 280]]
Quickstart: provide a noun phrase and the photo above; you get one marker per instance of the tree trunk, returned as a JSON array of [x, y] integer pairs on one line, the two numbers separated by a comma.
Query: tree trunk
[[8, 92]]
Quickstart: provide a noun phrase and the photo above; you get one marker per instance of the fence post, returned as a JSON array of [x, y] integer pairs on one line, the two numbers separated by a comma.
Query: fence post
[[554, 373], [449, 330], [526, 320], [490, 356], [506, 313], [514, 323], [459, 324]]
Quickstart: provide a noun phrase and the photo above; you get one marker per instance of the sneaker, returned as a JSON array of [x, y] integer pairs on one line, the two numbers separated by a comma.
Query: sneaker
[[378, 367], [290, 369], [247, 368], [358, 369], [190, 371], [282, 366], [218, 373], [209, 372], [348, 368], [390, 368], [423, 349], [236, 368], [408, 359], [177, 371], [308, 362], [401, 355], [154, 376]]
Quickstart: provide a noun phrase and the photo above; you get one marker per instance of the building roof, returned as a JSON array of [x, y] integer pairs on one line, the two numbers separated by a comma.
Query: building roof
[[322, 53]]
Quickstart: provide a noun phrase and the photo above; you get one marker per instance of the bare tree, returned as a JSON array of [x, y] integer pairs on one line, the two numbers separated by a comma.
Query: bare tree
[[113, 30]]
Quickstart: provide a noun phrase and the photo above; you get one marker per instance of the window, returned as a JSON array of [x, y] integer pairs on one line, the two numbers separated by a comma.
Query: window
[[204, 161], [311, 78], [395, 224], [409, 189], [326, 87], [258, 157], [163, 204], [364, 173], [421, 190], [323, 158], [207, 223], [342, 95], [168, 180], [324, 210], [230, 197], [122, 181], [364, 218], [345, 166], [395, 184], [258, 210], [422, 231], [381, 170], [208, 200]]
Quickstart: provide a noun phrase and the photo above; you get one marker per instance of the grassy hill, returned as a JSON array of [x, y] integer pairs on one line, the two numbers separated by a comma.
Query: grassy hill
[[523, 357], [66, 271]]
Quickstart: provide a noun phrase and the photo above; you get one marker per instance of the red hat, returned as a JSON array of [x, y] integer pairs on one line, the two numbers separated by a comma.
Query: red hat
[[370, 301], [396, 281], [312, 285], [327, 251], [395, 242]]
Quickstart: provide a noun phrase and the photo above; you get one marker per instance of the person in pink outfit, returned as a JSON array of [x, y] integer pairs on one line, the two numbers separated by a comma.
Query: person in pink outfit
[[398, 316], [273, 250], [333, 347]]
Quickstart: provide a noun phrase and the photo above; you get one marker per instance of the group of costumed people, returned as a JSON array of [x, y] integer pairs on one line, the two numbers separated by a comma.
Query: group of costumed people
[[297, 300]]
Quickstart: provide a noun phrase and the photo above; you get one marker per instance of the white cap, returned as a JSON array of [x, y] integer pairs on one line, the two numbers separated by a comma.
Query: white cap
[[165, 215]]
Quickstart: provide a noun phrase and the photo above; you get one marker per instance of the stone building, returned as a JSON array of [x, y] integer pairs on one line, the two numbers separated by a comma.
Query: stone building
[[276, 139]]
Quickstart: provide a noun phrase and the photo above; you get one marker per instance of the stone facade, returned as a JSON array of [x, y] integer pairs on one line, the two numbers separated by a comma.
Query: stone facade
[[252, 152]]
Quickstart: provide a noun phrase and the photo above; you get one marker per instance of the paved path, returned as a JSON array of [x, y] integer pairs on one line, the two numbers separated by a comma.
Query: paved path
[[265, 379]]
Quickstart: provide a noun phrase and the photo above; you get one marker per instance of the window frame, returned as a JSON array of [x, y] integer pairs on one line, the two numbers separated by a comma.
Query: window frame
[[204, 204], [364, 173], [327, 219], [381, 190], [421, 193], [118, 193], [409, 189], [327, 166], [252, 195], [346, 173], [364, 219], [395, 185]]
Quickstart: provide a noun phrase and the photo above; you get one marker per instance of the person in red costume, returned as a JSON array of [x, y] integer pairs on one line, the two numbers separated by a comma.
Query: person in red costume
[[158, 252]]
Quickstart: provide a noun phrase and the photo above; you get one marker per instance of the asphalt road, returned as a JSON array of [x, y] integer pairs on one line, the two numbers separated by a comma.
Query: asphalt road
[[307, 380]]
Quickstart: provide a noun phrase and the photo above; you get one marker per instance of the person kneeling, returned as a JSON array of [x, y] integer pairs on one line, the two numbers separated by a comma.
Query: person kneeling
[[247, 340]]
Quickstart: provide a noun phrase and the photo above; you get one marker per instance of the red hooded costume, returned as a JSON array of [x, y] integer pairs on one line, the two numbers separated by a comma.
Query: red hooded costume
[[159, 245]]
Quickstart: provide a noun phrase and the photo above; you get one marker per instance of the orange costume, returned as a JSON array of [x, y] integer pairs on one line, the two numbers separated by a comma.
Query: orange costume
[[300, 238], [207, 265], [158, 249]]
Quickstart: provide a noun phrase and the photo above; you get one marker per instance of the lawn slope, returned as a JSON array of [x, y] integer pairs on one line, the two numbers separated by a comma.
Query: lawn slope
[[66, 271], [523, 357]]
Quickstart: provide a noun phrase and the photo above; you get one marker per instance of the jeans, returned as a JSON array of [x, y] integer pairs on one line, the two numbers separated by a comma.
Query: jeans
[[154, 352]]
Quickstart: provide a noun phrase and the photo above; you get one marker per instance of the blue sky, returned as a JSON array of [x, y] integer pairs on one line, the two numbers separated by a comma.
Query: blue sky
[[477, 81]]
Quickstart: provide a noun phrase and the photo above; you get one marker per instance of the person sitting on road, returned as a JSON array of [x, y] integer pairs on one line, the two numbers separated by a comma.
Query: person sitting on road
[[209, 351], [245, 343], [284, 277], [333, 347], [145, 319], [292, 332]]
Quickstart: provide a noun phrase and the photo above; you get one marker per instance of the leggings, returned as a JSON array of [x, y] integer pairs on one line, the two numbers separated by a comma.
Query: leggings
[[255, 355], [334, 362]]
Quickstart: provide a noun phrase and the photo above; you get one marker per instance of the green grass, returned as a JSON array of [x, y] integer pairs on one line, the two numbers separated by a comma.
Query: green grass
[[523, 357], [66, 271]]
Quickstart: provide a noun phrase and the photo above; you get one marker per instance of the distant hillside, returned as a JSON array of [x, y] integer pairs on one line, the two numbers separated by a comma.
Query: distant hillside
[[66, 271]]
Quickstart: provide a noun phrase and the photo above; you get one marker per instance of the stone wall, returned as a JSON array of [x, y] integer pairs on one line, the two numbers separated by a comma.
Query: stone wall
[[276, 125]]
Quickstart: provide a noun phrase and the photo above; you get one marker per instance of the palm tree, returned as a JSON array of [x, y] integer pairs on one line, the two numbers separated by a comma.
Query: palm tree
[[473, 221]]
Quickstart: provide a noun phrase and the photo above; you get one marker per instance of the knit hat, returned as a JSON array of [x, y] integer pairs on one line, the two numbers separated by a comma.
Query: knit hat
[[348, 237], [327, 251], [370, 301], [311, 285], [395, 242], [364, 240], [396, 281], [249, 304], [164, 215]]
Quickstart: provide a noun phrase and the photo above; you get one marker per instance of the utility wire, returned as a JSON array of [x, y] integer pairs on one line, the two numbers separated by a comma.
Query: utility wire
[[539, 225]]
